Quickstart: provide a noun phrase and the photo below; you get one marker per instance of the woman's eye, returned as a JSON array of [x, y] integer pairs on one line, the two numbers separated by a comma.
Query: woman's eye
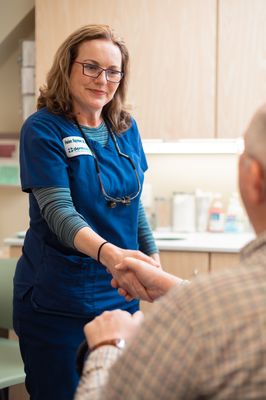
[[91, 67], [112, 72]]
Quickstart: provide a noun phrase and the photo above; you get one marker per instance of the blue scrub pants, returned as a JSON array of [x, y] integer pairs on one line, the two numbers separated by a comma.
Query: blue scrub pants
[[48, 345]]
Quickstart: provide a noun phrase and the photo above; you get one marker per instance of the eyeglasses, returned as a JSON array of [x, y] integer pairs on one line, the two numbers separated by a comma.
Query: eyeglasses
[[113, 201], [94, 71]]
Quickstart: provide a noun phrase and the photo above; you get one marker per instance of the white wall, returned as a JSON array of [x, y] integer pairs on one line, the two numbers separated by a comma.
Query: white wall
[[184, 173], [166, 174]]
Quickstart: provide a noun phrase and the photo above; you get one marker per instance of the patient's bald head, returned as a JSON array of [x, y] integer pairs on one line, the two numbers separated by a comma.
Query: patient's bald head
[[255, 137], [252, 171]]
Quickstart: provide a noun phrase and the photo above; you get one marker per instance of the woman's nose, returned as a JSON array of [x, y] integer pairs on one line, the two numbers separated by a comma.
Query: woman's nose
[[102, 77]]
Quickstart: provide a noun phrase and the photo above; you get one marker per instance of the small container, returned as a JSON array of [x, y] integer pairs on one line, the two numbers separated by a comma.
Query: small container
[[234, 221], [203, 202], [162, 214], [184, 212], [216, 215]]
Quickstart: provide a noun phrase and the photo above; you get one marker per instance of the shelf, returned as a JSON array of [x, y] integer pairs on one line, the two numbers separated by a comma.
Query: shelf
[[193, 146]]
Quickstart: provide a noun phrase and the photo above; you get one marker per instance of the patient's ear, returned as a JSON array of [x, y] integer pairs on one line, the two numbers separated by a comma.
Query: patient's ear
[[257, 189]]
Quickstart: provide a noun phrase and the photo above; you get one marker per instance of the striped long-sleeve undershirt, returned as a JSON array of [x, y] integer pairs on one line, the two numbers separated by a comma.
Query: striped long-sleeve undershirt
[[57, 209]]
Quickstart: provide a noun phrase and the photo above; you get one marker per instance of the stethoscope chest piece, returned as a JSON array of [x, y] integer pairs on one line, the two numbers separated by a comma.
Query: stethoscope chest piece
[[111, 204]]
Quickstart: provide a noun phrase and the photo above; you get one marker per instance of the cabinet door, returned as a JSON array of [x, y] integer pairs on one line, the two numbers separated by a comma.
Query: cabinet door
[[241, 63], [185, 265], [172, 49], [223, 260]]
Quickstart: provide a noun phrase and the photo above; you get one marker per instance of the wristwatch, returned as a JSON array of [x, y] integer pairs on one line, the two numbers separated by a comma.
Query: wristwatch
[[118, 342]]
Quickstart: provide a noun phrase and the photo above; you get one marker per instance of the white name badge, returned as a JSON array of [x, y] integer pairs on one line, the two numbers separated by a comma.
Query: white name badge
[[76, 146]]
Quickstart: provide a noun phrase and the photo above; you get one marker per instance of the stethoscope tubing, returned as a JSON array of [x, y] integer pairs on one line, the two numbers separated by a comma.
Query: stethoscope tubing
[[112, 201]]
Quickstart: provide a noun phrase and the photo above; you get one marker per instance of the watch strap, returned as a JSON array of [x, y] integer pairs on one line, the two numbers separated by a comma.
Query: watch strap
[[119, 343]]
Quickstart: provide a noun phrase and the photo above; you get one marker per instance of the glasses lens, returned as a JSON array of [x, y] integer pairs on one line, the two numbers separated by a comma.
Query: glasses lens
[[91, 70], [113, 76]]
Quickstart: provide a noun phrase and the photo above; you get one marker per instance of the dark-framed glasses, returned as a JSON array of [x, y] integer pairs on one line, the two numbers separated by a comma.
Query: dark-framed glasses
[[94, 71]]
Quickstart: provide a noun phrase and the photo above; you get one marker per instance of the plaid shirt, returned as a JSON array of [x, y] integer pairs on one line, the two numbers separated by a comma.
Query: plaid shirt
[[203, 341]]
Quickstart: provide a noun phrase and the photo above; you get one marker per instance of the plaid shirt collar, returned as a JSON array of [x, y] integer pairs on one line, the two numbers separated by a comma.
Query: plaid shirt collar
[[256, 247]]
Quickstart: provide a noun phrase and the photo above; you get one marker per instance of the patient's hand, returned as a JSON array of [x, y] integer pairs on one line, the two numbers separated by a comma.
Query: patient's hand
[[124, 278], [117, 324], [155, 281], [132, 287]]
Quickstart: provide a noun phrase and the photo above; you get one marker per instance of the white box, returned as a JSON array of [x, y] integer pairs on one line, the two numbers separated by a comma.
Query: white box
[[28, 105], [28, 53], [27, 80]]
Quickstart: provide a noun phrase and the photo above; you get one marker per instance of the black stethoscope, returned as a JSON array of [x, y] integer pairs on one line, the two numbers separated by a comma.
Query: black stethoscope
[[112, 201]]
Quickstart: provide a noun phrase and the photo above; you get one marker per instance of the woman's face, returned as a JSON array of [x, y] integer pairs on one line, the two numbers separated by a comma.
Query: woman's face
[[89, 95]]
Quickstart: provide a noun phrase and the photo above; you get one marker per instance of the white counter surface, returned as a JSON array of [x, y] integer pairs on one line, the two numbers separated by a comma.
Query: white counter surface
[[210, 242]]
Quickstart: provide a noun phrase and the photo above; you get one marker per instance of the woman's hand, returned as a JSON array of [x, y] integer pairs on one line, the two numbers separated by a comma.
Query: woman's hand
[[88, 242], [155, 257], [156, 281], [112, 255]]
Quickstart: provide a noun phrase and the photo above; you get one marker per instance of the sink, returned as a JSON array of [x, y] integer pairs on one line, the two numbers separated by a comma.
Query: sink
[[168, 236]]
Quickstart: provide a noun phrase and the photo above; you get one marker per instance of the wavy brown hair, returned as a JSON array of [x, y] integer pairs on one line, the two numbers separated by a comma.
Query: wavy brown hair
[[55, 95]]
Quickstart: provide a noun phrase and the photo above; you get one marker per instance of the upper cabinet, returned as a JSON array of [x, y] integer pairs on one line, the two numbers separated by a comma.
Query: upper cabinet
[[197, 66], [241, 85], [172, 49]]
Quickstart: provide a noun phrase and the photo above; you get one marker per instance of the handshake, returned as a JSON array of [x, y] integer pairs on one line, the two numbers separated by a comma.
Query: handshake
[[142, 279], [136, 276]]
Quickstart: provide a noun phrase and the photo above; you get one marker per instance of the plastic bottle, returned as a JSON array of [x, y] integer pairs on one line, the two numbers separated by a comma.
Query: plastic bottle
[[203, 202], [234, 222], [216, 214]]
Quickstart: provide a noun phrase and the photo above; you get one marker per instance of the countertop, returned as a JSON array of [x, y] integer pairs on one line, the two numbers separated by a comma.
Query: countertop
[[203, 241], [170, 241]]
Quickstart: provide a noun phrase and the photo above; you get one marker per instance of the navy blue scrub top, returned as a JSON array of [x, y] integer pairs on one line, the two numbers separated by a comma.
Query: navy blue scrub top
[[53, 153]]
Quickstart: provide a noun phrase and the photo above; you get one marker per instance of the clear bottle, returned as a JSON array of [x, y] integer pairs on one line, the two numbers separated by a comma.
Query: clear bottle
[[216, 214], [234, 222], [203, 202]]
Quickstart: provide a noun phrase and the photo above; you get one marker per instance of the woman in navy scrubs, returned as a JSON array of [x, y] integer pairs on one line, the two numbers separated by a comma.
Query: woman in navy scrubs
[[83, 165]]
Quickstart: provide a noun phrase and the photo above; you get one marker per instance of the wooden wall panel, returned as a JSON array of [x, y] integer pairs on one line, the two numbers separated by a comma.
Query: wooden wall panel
[[242, 63], [172, 46]]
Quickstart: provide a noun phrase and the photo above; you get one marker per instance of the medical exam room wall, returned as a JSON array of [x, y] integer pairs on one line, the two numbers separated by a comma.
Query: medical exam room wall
[[204, 95]]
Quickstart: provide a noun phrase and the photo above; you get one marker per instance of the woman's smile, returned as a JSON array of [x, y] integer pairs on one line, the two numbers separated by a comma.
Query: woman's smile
[[98, 92]]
